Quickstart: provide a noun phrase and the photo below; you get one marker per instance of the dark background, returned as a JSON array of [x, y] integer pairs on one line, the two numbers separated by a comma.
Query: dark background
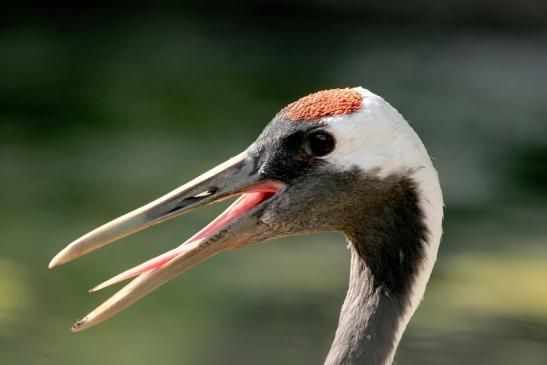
[[105, 107]]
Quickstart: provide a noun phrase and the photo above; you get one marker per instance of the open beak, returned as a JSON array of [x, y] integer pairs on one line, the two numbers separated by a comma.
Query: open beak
[[237, 226]]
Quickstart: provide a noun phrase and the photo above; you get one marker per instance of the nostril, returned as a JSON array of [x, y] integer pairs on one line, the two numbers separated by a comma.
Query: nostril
[[186, 202], [206, 193]]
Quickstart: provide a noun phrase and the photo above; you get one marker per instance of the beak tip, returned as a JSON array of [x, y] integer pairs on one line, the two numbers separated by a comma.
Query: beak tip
[[64, 256], [56, 261], [52, 264], [79, 325]]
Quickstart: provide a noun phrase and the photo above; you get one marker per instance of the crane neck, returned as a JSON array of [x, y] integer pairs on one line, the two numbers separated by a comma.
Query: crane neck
[[392, 256]]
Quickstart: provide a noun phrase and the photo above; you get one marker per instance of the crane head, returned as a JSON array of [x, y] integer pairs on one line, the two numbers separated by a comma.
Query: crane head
[[301, 175]]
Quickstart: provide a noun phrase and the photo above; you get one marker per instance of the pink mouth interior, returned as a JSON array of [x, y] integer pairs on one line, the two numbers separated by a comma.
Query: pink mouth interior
[[247, 201]]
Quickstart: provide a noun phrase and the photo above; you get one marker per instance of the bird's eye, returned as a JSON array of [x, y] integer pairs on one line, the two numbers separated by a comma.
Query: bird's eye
[[319, 143]]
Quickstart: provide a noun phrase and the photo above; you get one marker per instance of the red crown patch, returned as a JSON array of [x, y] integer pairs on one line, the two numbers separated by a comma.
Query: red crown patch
[[322, 104]]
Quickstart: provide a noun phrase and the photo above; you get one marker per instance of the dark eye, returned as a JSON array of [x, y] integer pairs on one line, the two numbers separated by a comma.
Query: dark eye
[[319, 143]]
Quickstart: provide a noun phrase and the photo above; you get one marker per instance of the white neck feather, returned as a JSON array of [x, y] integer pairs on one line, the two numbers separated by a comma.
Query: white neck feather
[[431, 204]]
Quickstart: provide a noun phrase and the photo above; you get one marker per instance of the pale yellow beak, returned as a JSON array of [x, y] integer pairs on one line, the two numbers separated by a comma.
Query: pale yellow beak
[[237, 226]]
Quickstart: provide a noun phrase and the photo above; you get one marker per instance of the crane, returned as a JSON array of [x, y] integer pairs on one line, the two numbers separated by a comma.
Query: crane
[[339, 160]]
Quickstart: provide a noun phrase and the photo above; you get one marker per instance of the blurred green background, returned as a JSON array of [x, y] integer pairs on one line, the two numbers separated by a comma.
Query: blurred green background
[[104, 108]]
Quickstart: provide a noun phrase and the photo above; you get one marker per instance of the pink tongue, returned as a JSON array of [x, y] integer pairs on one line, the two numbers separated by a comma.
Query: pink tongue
[[246, 202], [146, 266]]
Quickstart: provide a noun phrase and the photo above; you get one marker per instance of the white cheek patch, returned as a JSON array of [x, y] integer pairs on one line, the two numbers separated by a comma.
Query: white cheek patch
[[375, 138]]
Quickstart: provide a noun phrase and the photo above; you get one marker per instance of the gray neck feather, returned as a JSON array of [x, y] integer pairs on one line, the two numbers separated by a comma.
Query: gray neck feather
[[369, 320], [388, 240]]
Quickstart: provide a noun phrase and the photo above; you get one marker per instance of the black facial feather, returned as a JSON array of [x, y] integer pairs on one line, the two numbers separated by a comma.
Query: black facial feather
[[381, 217], [392, 234], [279, 149]]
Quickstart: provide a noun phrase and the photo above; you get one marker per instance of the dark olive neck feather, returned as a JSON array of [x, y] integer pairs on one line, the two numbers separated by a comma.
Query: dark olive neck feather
[[387, 248]]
